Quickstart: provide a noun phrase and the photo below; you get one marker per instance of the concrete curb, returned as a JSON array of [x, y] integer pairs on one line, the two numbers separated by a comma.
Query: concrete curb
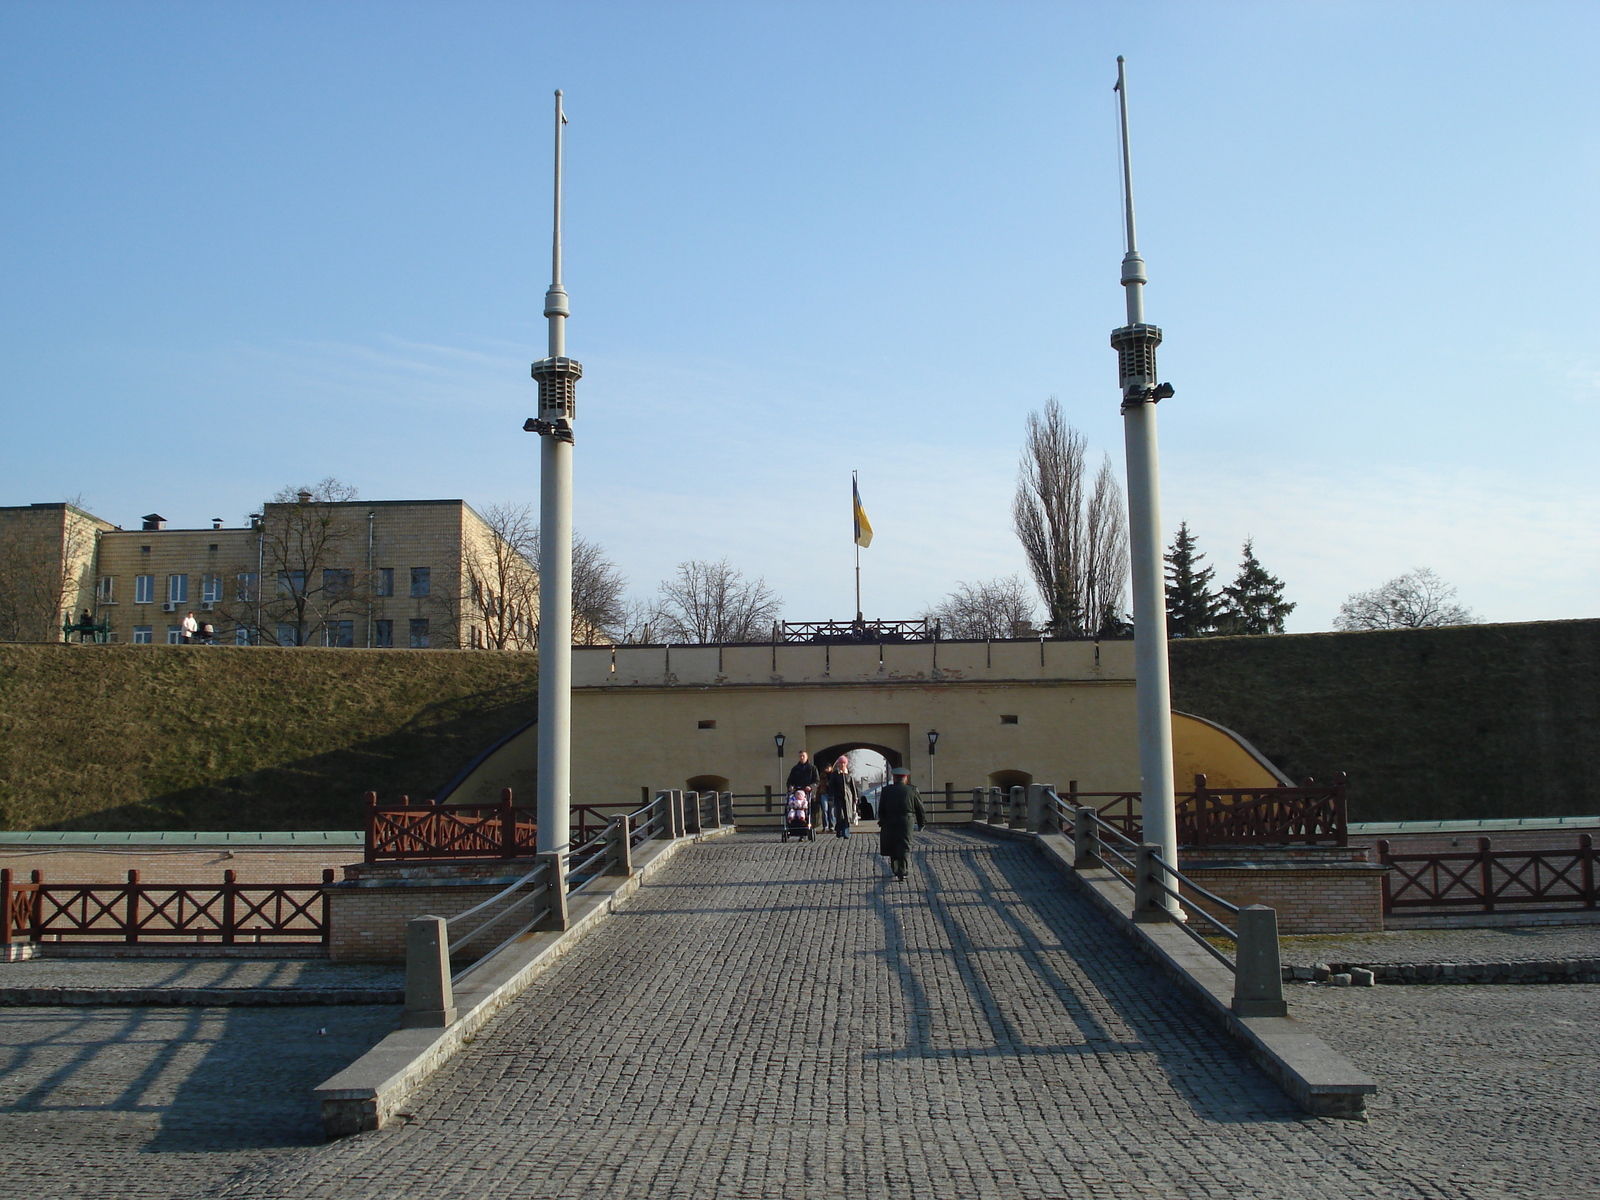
[[1556, 970], [370, 1090], [1312, 1074], [56, 997], [289, 951]]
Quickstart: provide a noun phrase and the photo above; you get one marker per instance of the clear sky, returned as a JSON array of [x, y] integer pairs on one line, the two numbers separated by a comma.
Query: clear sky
[[252, 244]]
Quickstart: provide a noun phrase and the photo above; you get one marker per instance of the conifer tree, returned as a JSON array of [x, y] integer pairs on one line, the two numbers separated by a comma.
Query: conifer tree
[[1192, 607], [1254, 602]]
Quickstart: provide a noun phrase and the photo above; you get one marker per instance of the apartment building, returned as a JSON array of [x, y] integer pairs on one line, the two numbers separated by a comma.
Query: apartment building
[[409, 574]]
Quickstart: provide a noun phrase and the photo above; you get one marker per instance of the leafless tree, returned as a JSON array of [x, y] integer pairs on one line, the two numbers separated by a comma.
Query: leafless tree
[[306, 541], [1075, 539], [1416, 600], [503, 580], [711, 602], [994, 608], [597, 587]]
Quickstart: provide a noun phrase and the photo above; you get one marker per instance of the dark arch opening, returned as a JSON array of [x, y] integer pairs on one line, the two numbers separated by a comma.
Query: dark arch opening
[[1010, 779], [706, 783]]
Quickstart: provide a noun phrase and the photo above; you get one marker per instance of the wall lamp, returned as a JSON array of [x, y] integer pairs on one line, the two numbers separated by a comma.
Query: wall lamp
[[777, 740], [933, 740]]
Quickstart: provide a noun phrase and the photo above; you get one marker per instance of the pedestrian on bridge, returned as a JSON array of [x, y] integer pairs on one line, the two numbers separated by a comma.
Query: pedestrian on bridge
[[899, 805], [803, 774], [841, 794]]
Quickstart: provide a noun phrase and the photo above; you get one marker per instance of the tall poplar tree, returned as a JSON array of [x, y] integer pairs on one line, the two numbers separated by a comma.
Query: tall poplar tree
[[1254, 602], [1192, 607]]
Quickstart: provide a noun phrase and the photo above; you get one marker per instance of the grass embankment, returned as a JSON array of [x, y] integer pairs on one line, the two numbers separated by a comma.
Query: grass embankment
[[1465, 722], [222, 738]]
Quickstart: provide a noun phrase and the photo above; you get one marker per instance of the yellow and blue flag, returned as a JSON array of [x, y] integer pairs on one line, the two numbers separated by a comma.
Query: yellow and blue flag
[[863, 526]]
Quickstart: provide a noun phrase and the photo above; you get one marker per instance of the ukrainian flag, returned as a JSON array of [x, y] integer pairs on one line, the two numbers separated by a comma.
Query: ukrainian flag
[[863, 526]]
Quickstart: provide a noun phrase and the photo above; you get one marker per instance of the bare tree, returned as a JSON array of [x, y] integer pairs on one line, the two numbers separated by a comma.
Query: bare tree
[[502, 580], [994, 608], [304, 583], [1416, 600], [597, 587], [711, 602], [1076, 544]]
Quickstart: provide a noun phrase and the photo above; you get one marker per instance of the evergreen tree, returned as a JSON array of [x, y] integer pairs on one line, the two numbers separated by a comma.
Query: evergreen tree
[[1192, 607], [1254, 602]]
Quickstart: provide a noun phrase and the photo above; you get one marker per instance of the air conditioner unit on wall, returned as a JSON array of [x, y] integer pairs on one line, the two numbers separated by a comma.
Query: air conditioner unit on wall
[[169, 606]]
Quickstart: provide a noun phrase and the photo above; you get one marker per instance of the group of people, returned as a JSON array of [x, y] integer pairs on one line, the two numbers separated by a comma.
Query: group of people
[[197, 632], [840, 805]]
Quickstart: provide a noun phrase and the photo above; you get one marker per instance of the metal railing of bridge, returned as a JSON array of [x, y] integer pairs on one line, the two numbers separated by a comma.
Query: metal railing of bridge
[[1098, 842]]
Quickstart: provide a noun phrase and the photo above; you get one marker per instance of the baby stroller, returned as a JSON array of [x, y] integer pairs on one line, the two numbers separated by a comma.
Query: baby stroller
[[797, 816]]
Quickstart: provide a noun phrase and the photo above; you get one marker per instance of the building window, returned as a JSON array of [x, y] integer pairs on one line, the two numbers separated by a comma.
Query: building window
[[339, 633], [1008, 720], [708, 724], [287, 635], [106, 593], [383, 633], [291, 583], [210, 589], [419, 633], [178, 589], [174, 635], [141, 635], [384, 582], [336, 583], [421, 584], [247, 586], [144, 589], [241, 636]]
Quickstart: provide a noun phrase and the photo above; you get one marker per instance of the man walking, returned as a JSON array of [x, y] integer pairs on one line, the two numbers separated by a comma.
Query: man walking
[[804, 775], [898, 805]]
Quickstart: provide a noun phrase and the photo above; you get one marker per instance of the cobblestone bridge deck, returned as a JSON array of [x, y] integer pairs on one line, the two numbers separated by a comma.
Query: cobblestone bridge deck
[[782, 1020]]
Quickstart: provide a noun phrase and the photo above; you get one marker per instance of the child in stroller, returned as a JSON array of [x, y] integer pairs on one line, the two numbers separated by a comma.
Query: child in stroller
[[797, 815]]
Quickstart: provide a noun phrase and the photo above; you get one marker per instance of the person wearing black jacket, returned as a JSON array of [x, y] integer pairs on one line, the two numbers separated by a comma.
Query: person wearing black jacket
[[803, 774], [898, 805]]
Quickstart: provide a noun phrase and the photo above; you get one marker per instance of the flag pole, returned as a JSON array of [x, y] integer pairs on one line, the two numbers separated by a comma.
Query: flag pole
[[855, 500]]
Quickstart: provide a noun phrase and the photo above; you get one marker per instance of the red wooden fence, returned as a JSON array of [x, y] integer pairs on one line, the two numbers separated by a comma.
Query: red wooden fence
[[1487, 880], [1309, 815], [406, 830], [140, 912]]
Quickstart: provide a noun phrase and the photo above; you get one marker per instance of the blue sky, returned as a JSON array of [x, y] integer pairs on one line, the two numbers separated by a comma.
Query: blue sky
[[254, 244]]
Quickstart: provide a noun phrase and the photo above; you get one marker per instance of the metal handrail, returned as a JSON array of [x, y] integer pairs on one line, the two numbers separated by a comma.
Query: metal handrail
[[500, 916]]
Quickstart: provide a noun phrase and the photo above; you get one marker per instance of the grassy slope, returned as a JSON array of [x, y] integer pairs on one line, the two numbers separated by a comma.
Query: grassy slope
[[181, 737], [1471, 721]]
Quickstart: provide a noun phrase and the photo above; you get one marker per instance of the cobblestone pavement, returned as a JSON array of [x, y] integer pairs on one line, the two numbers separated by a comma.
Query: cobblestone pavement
[[1529, 944], [97, 1103], [196, 973], [782, 1021]]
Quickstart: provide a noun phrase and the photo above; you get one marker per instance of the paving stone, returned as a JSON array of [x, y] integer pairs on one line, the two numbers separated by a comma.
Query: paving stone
[[785, 1021], [198, 973]]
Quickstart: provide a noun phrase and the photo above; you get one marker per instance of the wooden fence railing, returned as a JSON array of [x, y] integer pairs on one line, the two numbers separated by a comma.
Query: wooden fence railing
[[1487, 880], [136, 912], [1312, 814], [406, 830]]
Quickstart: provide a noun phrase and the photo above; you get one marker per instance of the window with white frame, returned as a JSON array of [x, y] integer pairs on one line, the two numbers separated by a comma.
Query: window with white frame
[[211, 589], [287, 634], [339, 633], [421, 581], [383, 582], [144, 589], [247, 586], [178, 589], [241, 636], [383, 633], [174, 635], [291, 583], [419, 633], [142, 635], [106, 593]]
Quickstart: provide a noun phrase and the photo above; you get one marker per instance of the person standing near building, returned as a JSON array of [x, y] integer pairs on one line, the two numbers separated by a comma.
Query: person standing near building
[[898, 805], [803, 774], [189, 627], [841, 789]]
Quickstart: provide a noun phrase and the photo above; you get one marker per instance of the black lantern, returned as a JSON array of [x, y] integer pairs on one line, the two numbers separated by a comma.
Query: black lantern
[[933, 740], [777, 740]]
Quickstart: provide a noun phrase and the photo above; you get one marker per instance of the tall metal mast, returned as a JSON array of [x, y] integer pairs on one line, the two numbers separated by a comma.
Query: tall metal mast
[[1135, 344], [557, 376]]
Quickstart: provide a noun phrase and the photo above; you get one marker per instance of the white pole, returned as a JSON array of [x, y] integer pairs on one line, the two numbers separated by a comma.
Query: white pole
[[1136, 345], [556, 375]]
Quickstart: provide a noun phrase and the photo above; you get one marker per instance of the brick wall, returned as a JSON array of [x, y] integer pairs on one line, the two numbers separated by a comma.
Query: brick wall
[[1309, 898]]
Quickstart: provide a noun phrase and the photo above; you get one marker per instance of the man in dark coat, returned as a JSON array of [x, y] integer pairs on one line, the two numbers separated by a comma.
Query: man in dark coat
[[803, 774], [898, 805]]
